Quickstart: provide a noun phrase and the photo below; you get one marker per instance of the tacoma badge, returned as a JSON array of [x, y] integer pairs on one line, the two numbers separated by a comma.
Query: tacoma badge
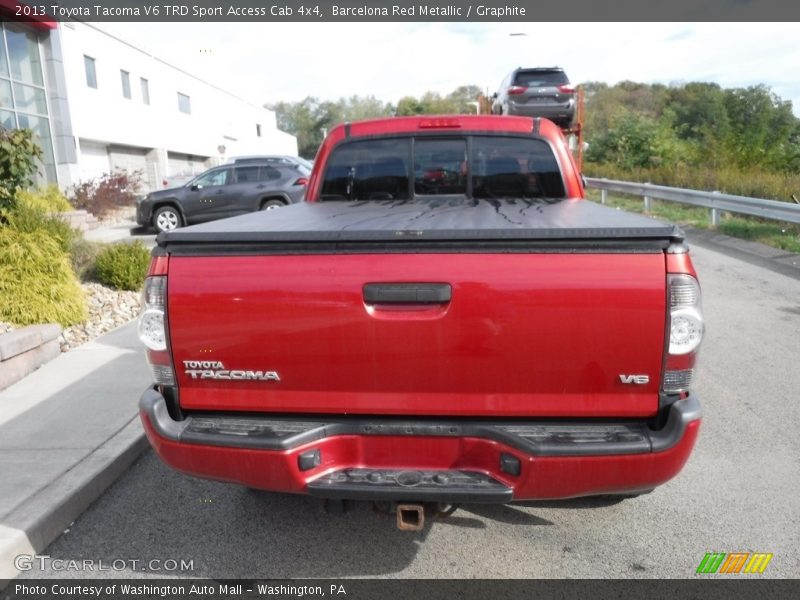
[[214, 369]]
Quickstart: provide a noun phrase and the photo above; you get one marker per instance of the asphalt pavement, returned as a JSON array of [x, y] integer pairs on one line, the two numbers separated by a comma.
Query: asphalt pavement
[[740, 491]]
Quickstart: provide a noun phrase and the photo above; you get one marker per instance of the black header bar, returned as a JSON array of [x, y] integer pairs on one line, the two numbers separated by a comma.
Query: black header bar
[[705, 588], [492, 11]]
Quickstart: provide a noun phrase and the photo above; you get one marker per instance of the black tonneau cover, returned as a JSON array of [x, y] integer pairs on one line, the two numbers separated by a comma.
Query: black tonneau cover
[[444, 223]]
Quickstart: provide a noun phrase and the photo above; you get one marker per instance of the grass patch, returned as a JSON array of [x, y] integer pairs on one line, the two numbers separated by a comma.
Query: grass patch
[[771, 233], [777, 234], [754, 183]]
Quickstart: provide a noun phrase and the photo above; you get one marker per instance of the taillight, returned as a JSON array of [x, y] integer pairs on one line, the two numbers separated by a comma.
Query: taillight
[[152, 329], [515, 90], [439, 123], [686, 328], [565, 89], [301, 181]]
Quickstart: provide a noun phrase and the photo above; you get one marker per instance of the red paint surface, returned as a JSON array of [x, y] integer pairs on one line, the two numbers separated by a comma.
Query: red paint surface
[[680, 263], [159, 265], [541, 477], [524, 334]]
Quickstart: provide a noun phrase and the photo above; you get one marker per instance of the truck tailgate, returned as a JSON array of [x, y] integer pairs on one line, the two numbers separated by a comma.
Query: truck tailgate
[[521, 334]]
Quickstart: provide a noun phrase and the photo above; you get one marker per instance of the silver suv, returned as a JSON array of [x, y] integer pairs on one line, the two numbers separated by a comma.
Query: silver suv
[[537, 92]]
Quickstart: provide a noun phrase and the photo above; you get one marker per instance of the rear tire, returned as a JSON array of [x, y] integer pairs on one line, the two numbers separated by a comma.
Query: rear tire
[[167, 218], [271, 204]]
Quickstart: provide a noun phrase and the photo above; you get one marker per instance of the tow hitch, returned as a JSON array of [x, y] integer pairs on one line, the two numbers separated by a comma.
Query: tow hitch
[[410, 517]]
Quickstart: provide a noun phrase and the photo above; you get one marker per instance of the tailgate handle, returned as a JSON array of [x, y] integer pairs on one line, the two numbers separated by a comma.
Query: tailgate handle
[[407, 293]]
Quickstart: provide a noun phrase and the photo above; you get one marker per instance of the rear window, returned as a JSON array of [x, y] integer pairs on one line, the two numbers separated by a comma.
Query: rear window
[[540, 78], [514, 167], [481, 167], [440, 167], [368, 170]]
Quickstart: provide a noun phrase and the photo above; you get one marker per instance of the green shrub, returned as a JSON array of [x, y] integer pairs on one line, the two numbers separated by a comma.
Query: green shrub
[[37, 284], [83, 255], [29, 219], [47, 199], [123, 266], [19, 156]]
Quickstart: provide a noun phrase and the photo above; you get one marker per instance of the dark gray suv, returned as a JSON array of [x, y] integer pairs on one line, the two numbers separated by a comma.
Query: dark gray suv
[[223, 192], [539, 92]]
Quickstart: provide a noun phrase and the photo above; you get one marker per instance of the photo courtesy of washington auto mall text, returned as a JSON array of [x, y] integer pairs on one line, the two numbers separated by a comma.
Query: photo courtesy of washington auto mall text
[[176, 589]]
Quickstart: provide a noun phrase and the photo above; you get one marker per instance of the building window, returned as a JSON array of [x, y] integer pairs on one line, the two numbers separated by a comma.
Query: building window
[[23, 55], [23, 99], [258, 130], [30, 99], [91, 73], [126, 83], [145, 90], [184, 104]]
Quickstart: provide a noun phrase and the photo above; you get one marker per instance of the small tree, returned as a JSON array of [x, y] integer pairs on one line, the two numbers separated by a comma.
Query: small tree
[[18, 157], [112, 191]]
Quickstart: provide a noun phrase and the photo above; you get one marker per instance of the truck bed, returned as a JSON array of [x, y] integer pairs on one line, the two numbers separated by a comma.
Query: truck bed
[[445, 222]]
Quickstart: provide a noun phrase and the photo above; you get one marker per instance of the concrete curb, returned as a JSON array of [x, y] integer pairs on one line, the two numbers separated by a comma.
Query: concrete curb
[[31, 527]]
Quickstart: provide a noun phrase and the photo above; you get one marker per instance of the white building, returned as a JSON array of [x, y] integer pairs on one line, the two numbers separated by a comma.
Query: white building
[[98, 102]]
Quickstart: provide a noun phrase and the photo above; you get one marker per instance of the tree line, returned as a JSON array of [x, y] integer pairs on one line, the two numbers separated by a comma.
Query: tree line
[[636, 125], [311, 118], [630, 126]]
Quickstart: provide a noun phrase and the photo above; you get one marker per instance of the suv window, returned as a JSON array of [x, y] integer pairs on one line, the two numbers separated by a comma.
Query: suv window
[[540, 78], [218, 177], [256, 173], [498, 166], [247, 174], [268, 173]]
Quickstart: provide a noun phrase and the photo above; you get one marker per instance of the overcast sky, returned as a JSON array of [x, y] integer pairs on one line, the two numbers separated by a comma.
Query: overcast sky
[[269, 62]]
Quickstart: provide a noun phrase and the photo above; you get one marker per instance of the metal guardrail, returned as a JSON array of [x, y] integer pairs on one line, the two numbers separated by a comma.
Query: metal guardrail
[[715, 201]]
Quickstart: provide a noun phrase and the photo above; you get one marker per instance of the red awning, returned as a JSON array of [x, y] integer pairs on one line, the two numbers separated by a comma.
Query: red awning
[[12, 10]]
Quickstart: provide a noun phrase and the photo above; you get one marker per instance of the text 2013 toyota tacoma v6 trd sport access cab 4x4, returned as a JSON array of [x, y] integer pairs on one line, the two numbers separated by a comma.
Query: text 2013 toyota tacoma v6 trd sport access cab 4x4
[[445, 320]]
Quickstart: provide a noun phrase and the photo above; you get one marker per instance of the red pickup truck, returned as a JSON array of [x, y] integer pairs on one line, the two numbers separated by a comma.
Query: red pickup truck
[[445, 320]]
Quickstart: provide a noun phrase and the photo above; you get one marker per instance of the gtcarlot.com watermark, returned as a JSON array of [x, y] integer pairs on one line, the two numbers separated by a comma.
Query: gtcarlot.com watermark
[[44, 562]]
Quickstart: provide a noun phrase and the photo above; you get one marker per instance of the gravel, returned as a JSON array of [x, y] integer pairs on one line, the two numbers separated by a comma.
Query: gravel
[[108, 309]]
